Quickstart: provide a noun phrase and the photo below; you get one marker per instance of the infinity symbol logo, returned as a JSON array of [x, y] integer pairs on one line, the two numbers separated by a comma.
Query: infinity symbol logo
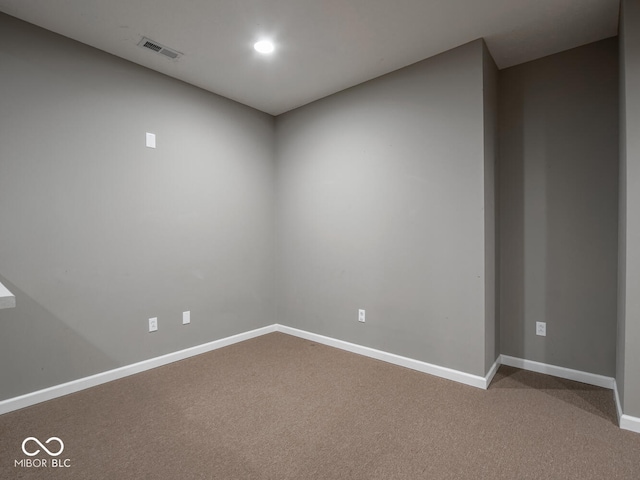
[[53, 454]]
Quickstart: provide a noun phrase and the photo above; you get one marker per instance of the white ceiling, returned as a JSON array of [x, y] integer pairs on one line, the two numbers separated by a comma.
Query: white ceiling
[[323, 46]]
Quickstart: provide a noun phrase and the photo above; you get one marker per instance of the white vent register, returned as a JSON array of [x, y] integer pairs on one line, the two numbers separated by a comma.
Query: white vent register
[[159, 48]]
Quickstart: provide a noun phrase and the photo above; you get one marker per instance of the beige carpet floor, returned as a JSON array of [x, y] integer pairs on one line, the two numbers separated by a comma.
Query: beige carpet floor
[[279, 407]]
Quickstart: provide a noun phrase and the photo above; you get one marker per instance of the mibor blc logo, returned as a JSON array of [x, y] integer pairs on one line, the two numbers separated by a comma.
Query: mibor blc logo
[[34, 439], [53, 447]]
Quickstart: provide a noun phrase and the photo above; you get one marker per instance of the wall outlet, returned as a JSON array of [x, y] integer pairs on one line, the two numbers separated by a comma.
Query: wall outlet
[[153, 324], [361, 315], [186, 317], [541, 329]]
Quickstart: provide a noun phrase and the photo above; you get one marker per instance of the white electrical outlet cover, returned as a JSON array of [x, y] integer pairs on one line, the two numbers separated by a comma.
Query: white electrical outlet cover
[[153, 324], [361, 315], [541, 329], [186, 317]]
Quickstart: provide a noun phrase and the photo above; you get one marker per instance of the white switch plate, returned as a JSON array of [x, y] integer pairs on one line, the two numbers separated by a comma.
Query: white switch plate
[[153, 324], [541, 329], [151, 140], [186, 317], [361, 315]]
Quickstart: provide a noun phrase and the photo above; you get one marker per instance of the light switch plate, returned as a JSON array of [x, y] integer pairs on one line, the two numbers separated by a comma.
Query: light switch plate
[[186, 317], [151, 140]]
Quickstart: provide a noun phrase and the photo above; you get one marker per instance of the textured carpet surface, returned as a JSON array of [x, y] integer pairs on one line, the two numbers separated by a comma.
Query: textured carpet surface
[[279, 407]]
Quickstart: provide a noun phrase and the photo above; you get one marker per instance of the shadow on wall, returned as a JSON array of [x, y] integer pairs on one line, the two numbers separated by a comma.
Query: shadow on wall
[[558, 206], [511, 221], [60, 354]]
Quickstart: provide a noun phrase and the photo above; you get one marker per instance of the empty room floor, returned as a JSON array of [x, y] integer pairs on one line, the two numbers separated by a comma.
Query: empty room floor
[[280, 407]]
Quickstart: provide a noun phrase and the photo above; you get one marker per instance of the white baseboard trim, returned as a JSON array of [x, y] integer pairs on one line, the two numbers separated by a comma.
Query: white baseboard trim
[[436, 370], [33, 398], [616, 396], [492, 371], [627, 422], [562, 372]]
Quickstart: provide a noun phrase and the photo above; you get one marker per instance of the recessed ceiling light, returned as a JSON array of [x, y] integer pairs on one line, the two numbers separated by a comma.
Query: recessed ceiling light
[[264, 46]]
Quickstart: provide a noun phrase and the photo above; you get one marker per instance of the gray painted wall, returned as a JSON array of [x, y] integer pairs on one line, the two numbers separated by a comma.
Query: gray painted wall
[[99, 233], [559, 207], [490, 105], [381, 192], [628, 374]]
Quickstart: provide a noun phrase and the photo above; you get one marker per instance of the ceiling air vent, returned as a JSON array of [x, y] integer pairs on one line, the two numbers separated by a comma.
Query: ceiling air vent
[[158, 48]]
